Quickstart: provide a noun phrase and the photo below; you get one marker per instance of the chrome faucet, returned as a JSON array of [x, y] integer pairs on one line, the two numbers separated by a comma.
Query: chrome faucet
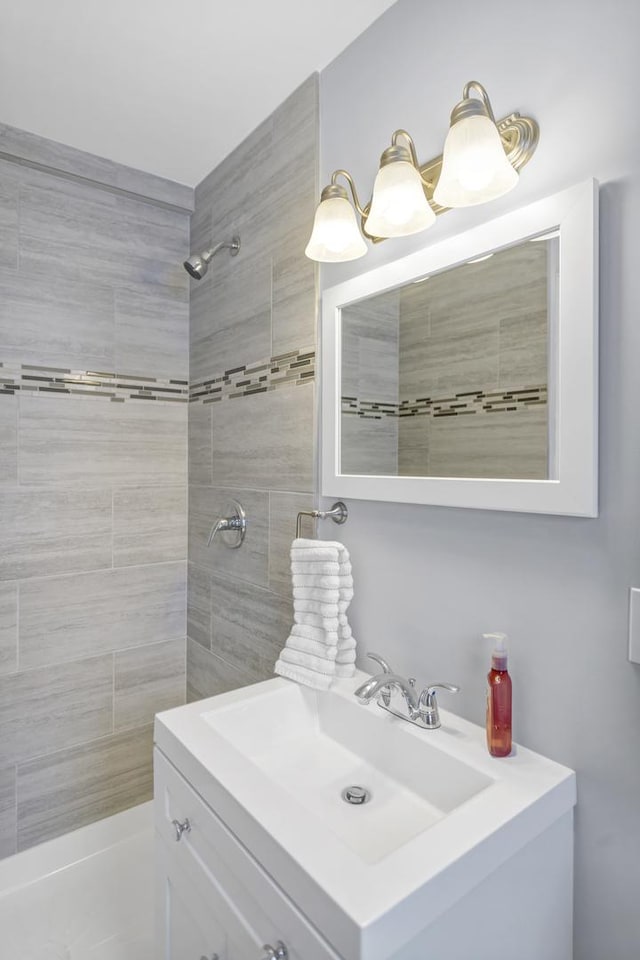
[[422, 709]]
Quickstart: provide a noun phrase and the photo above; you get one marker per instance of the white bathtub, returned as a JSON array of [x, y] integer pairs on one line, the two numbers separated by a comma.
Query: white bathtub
[[85, 896]]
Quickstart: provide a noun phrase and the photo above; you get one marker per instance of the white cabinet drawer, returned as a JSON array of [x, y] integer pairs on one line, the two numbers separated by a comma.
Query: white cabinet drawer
[[244, 899]]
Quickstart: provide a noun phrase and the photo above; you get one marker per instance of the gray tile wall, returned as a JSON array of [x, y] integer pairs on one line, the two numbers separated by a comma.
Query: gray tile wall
[[258, 449], [481, 328], [93, 492], [484, 328], [370, 371]]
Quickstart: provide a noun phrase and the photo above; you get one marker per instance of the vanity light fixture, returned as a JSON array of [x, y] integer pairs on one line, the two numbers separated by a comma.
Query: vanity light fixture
[[336, 236], [399, 205], [475, 168], [480, 162]]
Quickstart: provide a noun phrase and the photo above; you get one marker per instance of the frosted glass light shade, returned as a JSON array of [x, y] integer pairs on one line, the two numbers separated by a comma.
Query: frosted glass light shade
[[399, 206], [335, 236], [475, 167]]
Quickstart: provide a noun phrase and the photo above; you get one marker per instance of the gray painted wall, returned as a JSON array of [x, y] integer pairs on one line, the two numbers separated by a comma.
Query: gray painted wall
[[253, 333], [429, 581], [92, 482]]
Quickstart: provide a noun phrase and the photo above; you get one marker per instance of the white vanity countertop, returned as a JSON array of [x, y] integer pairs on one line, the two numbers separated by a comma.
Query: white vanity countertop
[[367, 901]]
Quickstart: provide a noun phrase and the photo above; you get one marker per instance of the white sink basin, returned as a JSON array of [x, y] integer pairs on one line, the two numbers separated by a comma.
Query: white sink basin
[[272, 761], [314, 747]]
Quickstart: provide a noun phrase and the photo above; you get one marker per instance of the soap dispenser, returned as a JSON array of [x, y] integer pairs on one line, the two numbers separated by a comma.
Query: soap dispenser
[[498, 698]]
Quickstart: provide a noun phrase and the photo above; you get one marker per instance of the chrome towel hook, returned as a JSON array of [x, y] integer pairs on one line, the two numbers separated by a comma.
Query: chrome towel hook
[[233, 527]]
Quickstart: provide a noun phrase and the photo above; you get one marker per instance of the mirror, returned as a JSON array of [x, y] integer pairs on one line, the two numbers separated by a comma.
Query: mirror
[[448, 375], [465, 375]]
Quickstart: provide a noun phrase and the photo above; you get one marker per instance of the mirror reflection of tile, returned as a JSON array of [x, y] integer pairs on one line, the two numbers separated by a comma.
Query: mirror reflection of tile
[[448, 376]]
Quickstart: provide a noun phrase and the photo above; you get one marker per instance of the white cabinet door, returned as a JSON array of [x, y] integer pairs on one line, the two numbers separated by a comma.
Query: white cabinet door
[[197, 919], [186, 929], [237, 898]]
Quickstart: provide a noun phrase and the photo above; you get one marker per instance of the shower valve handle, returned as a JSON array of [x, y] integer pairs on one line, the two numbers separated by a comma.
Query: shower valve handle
[[234, 526]]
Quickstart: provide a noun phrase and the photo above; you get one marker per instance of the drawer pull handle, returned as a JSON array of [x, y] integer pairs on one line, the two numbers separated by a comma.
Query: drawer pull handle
[[180, 828], [214, 956], [279, 953]]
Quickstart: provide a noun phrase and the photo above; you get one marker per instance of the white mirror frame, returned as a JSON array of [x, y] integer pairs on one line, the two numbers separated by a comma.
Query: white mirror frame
[[573, 490]]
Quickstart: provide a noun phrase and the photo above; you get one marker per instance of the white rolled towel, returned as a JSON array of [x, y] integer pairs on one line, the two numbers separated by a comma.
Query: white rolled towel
[[346, 656], [317, 606], [319, 550], [320, 645], [318, 567], [322, 665], [318, 648], [322, 623], [311, 580], [321, 594], [317, 634], [308, 676], [345, 670]]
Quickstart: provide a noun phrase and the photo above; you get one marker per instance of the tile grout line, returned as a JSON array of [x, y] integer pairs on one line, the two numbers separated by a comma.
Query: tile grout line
[[113, 534], [18, 431], [82, 573], [17, 626], [186, 665], [15, 801], [78, 746], [96, 656], [94, 183], [113, 691]]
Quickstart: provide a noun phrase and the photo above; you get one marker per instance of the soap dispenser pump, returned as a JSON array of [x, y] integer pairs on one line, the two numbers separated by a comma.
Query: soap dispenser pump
[[498, 698]]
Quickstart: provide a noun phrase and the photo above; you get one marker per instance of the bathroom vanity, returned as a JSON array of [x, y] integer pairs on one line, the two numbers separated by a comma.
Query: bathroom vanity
[[456, 856]]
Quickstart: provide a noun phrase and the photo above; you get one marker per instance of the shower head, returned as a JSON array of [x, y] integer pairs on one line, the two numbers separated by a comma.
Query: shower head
[[196, 266], [198, 263]]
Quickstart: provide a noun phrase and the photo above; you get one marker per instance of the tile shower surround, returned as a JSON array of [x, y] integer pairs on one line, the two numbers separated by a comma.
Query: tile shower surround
[[293, 368], [118, 387], [93, 493], [94, 390], [251, 415]]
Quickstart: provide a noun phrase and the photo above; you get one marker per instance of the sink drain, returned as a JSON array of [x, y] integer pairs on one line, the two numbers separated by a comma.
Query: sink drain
[[356, 795]]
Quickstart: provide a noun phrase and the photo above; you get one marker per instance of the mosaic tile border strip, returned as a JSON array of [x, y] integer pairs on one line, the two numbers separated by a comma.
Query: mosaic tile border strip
[[117, 387], [461, 404], [287, 369]]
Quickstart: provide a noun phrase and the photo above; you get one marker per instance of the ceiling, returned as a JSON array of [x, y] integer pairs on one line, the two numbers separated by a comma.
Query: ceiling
[[167, 86]]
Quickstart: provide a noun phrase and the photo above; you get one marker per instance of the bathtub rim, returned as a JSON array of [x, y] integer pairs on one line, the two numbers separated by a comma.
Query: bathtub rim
[[28, 866]]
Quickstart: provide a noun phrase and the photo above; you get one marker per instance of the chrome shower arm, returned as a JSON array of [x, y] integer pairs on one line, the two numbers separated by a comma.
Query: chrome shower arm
[[232, 245], [197, 264]]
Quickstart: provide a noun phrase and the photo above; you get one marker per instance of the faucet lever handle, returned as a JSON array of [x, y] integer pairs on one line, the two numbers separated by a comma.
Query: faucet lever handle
[[428, 704], [381, 662], [451, 687]]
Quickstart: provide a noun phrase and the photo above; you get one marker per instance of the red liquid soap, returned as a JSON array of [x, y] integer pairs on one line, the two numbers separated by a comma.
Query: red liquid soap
[[498, 699]]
